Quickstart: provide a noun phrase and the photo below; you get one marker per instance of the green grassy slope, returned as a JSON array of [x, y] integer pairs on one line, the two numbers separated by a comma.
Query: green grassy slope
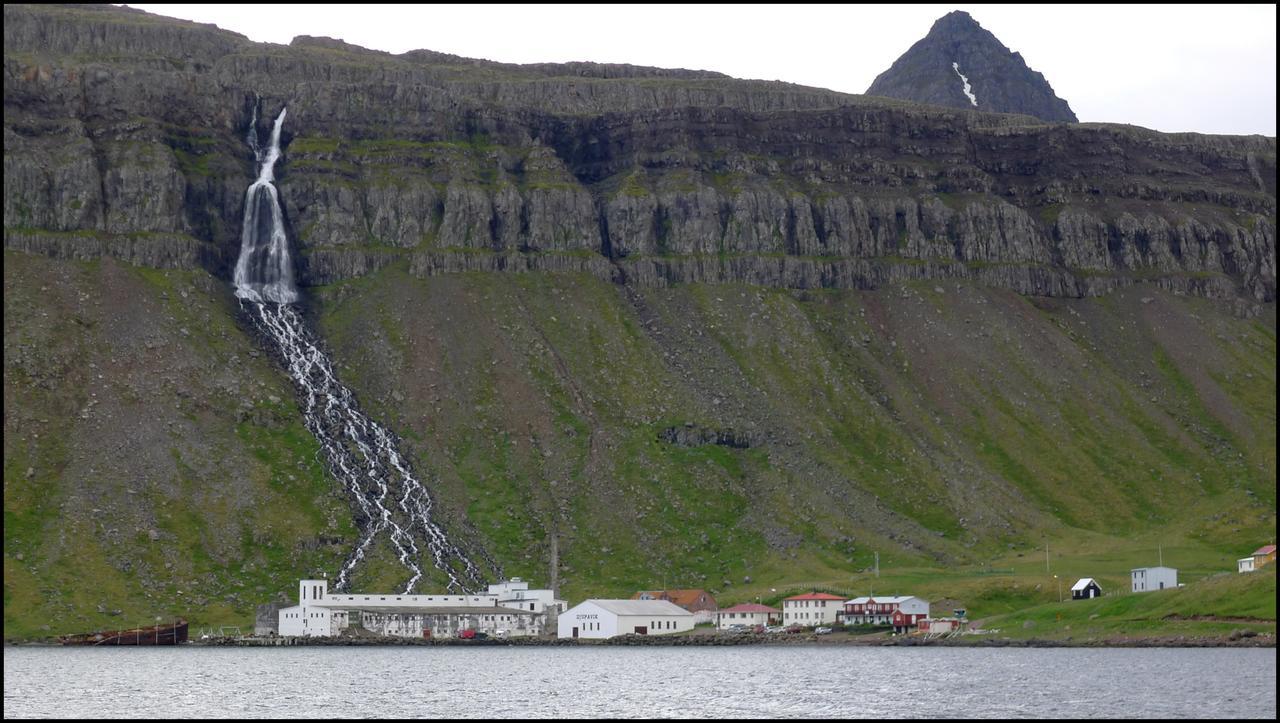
[[942, 428], [155, 462], [952, 430]]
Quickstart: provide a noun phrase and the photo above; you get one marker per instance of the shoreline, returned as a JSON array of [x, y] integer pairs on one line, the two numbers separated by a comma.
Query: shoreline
[[1259, 640]]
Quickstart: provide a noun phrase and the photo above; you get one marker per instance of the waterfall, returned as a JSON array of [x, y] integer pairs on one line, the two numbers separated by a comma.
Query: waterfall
[[359, 452], [264, 271]]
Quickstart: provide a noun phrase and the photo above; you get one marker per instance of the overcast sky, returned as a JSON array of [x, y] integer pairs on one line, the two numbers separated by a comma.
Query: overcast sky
[[1210, 69]]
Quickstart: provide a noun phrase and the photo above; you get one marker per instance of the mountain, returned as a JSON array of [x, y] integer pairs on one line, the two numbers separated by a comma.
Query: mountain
[[961, 65], [640, 322]]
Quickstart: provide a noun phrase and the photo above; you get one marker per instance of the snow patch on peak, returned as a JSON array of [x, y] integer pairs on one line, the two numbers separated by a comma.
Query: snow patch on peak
[[967, 90]]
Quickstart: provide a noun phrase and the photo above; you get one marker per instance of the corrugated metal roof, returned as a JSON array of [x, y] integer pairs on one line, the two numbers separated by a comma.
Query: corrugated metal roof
[[639, 607], [682, 596], [899, 599], [815, 596], [1265, 550], [749, 608], [437, 610]]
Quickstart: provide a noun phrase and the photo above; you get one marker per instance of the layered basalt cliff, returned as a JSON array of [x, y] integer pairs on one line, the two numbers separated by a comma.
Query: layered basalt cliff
[[122, 136]]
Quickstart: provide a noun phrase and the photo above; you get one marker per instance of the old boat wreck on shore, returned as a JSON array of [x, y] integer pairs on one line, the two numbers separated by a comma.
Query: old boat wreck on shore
[[165, 634]]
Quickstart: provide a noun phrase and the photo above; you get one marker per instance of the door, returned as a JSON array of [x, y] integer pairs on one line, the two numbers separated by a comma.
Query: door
[[575, 631], [642, 630]]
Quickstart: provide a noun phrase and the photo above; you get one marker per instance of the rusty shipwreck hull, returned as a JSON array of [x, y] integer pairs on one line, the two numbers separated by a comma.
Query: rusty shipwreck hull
[[164, 634]]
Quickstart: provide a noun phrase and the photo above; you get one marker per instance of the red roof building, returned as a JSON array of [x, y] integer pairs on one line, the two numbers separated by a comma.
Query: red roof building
[[810, 609], [748, 614]]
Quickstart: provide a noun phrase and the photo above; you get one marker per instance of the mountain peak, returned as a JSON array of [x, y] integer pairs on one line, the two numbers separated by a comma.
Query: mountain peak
[[961, 64]]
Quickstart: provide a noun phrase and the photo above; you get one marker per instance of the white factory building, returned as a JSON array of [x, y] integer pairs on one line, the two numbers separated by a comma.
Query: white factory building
[[1146, 579], [320, 613], [607, 618], [515, 593]]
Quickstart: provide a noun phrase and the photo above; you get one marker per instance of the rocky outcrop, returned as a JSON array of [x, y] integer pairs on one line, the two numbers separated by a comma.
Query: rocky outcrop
[[123, 125], [961, 65]]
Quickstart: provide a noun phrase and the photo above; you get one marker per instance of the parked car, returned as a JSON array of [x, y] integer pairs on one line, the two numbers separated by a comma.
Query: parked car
[[468, 634], [501, 634], [758, 629], [793, 628], [737, 628], [775, 629], [822, 631]]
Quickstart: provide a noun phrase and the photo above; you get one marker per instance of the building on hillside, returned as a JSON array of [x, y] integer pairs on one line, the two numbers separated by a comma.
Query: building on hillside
[[748, 614], [607, 618], [322, 614], [1258, 559], [699, 602], [1146, 579], [1085, 588], [901, 611], [814, 608], [515, 593]]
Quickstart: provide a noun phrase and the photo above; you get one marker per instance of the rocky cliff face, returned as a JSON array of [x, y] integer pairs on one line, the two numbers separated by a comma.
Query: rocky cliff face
[[961, 65], [121, 126]]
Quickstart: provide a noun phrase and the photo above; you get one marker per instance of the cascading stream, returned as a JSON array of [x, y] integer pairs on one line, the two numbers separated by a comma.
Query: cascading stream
[[361, 453]]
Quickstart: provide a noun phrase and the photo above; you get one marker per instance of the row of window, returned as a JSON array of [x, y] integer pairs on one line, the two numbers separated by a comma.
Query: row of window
[[411, 598], [805, 603]]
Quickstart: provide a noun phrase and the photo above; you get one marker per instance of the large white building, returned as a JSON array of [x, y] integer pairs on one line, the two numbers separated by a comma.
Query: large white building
[[1146, 579], [515, 593], [815, 608], [607, 618], [320, 613]]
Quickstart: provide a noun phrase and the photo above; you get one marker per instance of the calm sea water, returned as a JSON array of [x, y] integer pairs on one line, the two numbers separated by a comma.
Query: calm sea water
[[684, 682]]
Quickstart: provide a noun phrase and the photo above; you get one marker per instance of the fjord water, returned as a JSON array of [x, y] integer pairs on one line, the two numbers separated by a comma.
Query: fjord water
[[597, 681], [362, 454]]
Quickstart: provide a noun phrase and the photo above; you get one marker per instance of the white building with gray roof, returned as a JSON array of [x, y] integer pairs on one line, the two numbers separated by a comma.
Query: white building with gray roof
[[607, 618], [320, 613]]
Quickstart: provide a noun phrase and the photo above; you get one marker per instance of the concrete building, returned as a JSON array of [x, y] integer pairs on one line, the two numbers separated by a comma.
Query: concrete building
[[900, 611], [322, 614], [515, 593], [697, 601], [607, 618], [815, 608], [266, 619], [748, 614], [1146, 579]]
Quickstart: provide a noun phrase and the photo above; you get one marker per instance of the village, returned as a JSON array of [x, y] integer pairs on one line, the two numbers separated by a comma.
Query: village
[[511, 609]]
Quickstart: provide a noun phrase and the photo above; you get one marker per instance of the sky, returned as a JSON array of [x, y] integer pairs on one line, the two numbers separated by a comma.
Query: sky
[[1208, 69]]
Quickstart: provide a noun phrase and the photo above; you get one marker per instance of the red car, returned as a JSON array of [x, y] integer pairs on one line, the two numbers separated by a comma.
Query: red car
[[467, 634]]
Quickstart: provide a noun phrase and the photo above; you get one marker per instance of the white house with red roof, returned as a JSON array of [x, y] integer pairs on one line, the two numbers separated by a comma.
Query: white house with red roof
[[746, 614], [901, 611], [814, 608]]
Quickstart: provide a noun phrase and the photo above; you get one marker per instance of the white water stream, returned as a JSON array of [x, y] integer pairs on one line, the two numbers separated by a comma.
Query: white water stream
[[361, 453]]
